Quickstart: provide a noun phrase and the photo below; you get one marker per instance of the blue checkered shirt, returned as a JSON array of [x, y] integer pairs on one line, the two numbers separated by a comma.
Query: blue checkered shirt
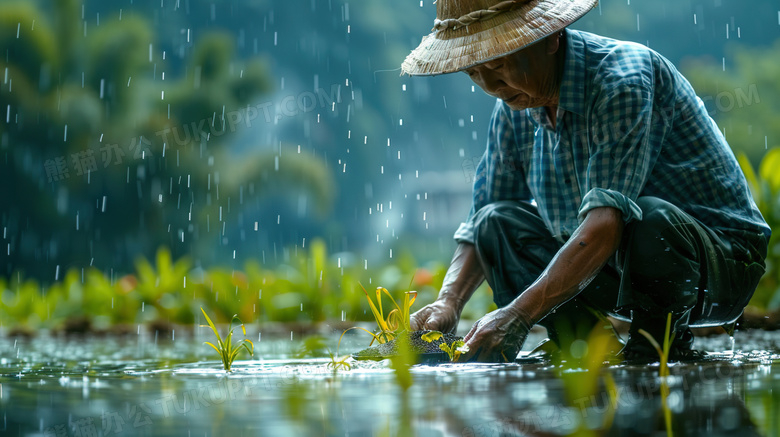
[[628, 125]]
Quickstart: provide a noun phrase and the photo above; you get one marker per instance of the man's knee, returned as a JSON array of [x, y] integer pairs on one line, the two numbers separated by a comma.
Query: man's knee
[[507, 217], [495, 212], [663, 226], [658, 214], [664, 256]]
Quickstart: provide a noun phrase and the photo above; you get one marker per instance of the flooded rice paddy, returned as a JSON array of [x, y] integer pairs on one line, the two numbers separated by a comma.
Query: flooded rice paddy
[[146, 385]]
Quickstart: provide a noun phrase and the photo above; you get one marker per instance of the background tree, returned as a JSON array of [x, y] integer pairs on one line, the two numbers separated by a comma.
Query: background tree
[[742, 99], [88, 176]]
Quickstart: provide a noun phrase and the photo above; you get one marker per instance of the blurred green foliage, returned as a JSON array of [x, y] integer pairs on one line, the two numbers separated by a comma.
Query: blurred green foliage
[[765, 186], [740, 92], [313, 287], [764, 404]]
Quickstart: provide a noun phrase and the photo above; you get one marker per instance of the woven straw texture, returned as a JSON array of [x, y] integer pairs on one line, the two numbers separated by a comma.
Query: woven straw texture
[[467, 33]]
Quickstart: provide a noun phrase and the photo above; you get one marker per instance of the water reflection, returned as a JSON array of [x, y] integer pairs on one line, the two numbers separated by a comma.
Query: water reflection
[[55, 387]]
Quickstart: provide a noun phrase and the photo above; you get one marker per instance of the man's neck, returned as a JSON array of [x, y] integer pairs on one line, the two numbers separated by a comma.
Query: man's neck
[[552, 114], [560, 59]]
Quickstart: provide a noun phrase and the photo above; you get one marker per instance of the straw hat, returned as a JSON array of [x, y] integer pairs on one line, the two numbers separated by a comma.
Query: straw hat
[[470, 32]]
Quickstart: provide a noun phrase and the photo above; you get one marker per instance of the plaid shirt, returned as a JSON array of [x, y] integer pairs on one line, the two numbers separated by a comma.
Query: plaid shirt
[[628, 125]]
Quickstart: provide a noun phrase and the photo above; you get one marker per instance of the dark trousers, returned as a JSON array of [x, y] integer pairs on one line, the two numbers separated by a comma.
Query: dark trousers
[[667, 263]]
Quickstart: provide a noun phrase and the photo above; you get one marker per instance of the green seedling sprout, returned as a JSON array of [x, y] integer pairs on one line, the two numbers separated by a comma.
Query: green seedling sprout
[[453, 350], [226, 349], [342, 363], [663, 372]]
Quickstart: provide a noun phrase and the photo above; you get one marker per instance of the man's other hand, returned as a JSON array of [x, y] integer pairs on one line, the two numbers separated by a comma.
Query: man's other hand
[[437, 316], [497, 337]]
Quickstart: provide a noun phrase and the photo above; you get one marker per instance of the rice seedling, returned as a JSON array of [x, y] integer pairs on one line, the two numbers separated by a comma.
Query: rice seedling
[[402, 362], [663, 371], [455, 349], [226, 349], [396, 320], [341, 363], [580, 368]]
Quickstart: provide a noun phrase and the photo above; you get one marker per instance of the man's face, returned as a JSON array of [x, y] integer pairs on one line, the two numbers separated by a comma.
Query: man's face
[[524, 79]]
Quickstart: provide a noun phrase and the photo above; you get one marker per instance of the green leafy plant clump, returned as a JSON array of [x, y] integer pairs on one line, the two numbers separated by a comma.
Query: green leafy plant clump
[[227, 350], [398, 320]]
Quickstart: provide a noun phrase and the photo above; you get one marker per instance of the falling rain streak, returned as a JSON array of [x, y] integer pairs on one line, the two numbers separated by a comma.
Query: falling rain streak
[[193, 113]]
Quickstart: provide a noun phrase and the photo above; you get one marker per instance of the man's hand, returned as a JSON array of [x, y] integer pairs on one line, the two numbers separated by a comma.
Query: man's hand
[[437, 316], [496, 337]]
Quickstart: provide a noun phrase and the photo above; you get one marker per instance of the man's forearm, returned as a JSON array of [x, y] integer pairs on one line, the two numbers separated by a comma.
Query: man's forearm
[[463, 277], [574, 266]]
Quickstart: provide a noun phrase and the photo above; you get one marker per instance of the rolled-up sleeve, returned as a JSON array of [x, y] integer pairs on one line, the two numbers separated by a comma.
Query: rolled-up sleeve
[[600, 197], [465, 232]]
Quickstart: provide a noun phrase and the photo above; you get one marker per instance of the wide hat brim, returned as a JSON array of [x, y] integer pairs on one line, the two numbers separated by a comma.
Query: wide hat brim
[[451, 50]]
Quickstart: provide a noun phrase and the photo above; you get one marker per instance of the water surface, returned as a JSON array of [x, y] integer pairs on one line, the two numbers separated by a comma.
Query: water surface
[[145, 385]]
